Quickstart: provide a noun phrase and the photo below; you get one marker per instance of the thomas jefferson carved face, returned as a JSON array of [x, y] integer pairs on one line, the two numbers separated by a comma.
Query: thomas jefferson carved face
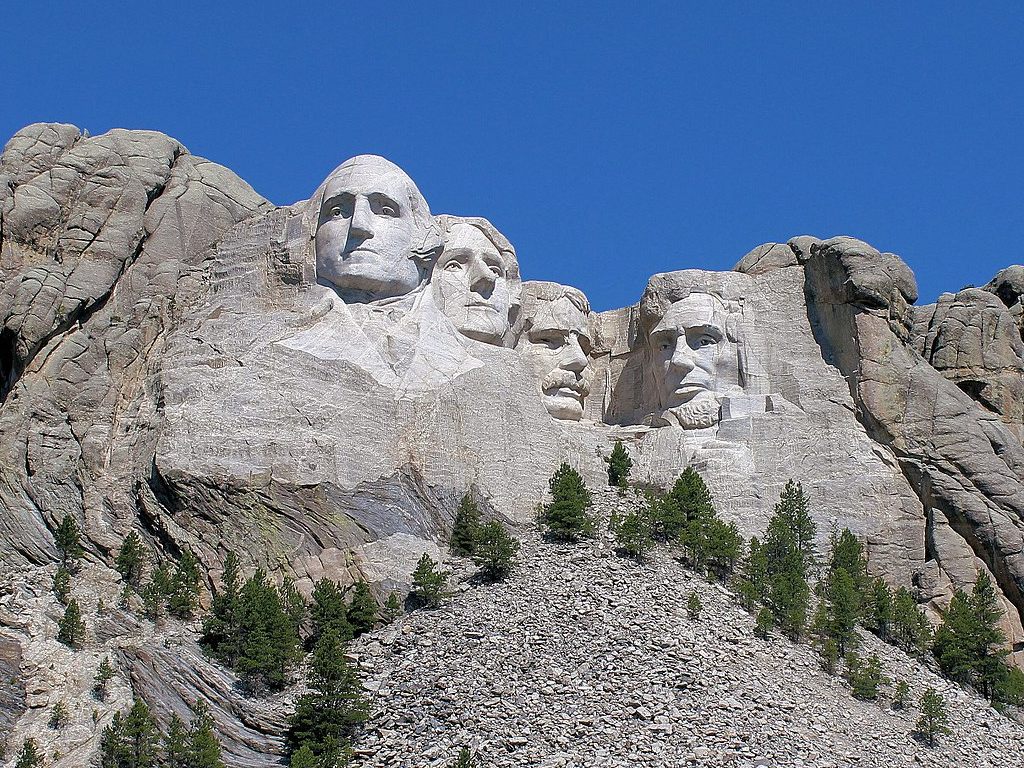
[[556, 344], [371, 221], [686, 347], [476, 283]]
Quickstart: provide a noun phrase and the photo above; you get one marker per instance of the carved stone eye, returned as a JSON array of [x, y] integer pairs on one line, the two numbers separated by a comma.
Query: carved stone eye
[[451, 266], [706, 341], [387, 210], [336, 211]]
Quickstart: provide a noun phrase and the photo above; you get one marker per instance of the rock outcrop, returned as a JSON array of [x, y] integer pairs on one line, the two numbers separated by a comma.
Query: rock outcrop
[[315, 386]]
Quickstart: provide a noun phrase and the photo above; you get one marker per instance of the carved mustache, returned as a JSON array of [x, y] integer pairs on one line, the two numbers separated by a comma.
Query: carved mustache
[[559, 379]]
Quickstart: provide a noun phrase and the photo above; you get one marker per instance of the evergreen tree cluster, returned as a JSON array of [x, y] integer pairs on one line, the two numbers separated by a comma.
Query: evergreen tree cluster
[[490, 544], [970, 646], [619, 466], [567, 517], [776, 572], [134, 740]]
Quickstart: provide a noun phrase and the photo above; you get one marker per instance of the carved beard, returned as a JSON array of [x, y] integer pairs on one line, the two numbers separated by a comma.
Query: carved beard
[[700, 413]]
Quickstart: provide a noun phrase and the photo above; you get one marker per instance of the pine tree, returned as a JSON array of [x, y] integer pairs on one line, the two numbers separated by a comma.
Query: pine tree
[[132, 739], [362, 611], [842, 607], [29, 756], [58, 716], [567, 517], [792, 515], [878, 610], [392, 608], [294, 604], [183, 587], [847, 552], [71, 628], [969, 644], [175, 744], [155, 593], [990, 639], [900, 697], [202, 747], [752, 581], [62, 584], [934, 719], [428, 583], [69, 543], [910, 628], [325, 719], [864, 678], [104, 674], [221, 631], [131, 560], [466, 527], [829, 655], [764, 623], [689, 500], [723, 547], [496, 551], [304, 757], [619, 465], [789, 555], [633, 533], [270, 643], [693, 606], [328, 611]]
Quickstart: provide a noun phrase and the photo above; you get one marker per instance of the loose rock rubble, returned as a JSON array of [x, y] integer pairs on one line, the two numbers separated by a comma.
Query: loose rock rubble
[[587, 659]]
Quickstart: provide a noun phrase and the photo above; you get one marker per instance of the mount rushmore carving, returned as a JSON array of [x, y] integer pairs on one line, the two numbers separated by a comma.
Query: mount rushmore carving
[[316, 385]]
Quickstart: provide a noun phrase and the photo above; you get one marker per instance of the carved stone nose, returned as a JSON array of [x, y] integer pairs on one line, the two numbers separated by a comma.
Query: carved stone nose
[[573, 358], [682, 357], [361, 226]]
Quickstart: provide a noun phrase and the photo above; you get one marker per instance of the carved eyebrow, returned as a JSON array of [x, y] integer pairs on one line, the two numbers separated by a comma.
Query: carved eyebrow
[[380, 197], [710, 330]]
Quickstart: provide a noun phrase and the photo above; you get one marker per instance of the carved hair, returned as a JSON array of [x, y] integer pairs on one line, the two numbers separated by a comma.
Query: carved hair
[[663, 293], [537, 292]]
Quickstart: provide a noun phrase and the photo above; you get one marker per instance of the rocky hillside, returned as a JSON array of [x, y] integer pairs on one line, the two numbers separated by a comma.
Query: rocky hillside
[[581, 658], [587, 659]]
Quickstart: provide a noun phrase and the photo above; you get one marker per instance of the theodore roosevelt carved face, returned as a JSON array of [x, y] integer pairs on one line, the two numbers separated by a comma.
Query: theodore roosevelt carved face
[[686, 348], [476, 279], [556, 342], [373, 233]]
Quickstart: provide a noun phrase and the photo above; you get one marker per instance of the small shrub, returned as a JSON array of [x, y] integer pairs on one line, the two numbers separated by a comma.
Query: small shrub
[[104, 674], [764, 624], [29, 756], [62, 585], [901, 696], [68, 541], [428, 583], [865, 678], [567, 517], [392, 608], [465, 759], [934, 720], [633, 533], [466, 527], [58, 716], [829, 655], [693, 606], [131, 560], [496, 551], [71, 629], [619, 465], [362, 611]]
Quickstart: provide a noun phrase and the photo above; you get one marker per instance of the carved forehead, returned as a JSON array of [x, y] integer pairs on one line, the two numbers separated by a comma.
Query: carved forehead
[[559, 315], [696, 310], [451, 226], [464, 236], [371, 173]]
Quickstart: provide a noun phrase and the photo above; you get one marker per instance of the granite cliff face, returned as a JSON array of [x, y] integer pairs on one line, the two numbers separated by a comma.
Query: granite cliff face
[[315, 386]]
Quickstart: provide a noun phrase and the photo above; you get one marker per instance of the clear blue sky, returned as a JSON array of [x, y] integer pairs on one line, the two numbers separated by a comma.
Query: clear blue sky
[[607, 141]]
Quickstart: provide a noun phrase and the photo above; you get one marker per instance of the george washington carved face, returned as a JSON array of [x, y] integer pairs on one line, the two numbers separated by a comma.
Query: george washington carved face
[[372, 226]]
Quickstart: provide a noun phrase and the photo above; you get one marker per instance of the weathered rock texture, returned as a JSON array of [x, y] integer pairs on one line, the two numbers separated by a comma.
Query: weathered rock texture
[[171, 363]]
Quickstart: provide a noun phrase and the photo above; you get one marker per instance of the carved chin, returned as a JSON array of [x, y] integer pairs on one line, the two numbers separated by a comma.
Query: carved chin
[[700, 413], [563, 407]]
